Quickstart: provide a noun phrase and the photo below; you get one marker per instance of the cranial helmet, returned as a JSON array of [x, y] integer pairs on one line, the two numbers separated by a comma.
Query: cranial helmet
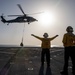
[[45, 34], [69, 29]]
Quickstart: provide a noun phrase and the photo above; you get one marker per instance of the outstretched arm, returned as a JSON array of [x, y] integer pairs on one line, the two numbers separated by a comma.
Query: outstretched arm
[[36, 36], [54, 37]]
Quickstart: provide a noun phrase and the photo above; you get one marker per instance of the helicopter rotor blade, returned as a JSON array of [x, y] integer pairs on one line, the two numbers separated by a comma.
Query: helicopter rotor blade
[[25, 14], [21, 8], [14, 15], [35, 13]]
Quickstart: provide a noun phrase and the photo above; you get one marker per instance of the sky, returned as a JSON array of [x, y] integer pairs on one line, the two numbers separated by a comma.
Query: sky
[[54, 18]]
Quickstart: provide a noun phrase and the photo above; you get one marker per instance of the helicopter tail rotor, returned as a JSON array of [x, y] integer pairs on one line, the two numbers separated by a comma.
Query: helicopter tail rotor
[[2, 18], [2, 15]]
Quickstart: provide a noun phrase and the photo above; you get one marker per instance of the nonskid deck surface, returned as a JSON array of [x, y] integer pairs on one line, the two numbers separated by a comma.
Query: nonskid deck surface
[[26, 61]]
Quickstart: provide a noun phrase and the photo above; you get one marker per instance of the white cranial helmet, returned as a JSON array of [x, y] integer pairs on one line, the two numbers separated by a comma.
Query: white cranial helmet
[[69, 29], [45, 35]]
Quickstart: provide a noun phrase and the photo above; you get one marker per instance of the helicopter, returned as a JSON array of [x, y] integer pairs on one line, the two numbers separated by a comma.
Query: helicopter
[[20, 19]]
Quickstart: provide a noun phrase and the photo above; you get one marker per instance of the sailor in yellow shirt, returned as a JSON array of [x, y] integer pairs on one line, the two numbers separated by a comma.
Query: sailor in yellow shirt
[[68, 39], [46, 45], [68, 43]]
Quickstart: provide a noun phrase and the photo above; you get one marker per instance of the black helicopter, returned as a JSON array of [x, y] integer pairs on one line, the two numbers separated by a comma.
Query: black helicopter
[[20, 19]]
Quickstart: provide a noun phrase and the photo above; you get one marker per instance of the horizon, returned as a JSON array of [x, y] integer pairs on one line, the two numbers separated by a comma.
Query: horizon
[[3, 45]]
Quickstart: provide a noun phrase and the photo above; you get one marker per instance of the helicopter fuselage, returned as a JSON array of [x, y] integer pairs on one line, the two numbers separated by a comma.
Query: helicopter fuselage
[[19, 19]]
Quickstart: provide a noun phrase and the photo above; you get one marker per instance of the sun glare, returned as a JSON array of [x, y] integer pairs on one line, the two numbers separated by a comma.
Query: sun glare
[[47, 18]]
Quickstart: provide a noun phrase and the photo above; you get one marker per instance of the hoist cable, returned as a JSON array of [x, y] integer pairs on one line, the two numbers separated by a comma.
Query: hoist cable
[[21, 44], [23, 33]]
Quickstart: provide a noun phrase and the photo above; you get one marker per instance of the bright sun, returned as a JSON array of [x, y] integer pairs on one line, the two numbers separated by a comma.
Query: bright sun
[[47, 18]]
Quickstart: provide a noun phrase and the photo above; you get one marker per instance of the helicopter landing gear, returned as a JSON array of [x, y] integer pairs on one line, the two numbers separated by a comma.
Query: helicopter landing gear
[[8, 24], [28, 22]]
